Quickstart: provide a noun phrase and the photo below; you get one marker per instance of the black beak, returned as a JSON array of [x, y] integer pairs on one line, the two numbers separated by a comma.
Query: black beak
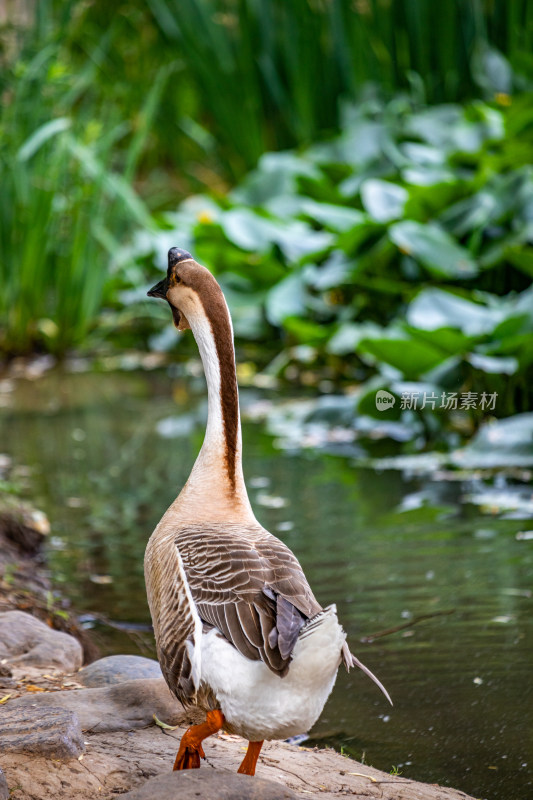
[[159, 290]]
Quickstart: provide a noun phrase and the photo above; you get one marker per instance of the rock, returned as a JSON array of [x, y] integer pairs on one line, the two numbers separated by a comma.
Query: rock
[[26, 640], [117, 669], [210, 785], [122, 707], [25, 527], [52, 732], [120, 762], [4, 791]]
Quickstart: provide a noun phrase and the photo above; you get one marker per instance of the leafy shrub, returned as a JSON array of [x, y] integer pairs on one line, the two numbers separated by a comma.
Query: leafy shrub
[[398, 251]]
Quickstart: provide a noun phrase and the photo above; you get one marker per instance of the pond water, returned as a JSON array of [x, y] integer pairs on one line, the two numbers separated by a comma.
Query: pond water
[[385, 548]]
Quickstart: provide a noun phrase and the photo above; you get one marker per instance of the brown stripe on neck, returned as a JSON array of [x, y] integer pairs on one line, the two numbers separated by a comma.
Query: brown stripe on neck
[[219, 320]]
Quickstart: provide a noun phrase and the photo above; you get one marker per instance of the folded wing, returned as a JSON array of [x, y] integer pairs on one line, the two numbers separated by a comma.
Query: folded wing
[[250, 586]]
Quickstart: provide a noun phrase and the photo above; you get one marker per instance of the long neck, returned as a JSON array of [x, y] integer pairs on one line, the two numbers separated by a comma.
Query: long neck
[[216, 488]]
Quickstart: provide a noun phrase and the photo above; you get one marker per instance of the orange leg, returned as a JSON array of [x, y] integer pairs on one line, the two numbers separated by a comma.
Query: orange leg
[[250, 759], [191, 742]]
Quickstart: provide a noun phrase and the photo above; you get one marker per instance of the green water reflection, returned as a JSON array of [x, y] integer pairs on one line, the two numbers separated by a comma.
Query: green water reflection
[[382, 547]]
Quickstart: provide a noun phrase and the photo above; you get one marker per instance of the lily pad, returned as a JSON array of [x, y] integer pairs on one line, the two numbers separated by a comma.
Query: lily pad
[[501, 443]]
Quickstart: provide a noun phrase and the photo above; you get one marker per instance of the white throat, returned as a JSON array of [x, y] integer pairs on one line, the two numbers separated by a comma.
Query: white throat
[[210, 493]]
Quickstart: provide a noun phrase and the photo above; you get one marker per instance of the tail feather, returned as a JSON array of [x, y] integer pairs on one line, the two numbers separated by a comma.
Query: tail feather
[[351, 661]]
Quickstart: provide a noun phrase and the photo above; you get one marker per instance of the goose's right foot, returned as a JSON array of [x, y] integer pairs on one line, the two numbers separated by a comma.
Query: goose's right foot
[[191, 749], [250, 759]]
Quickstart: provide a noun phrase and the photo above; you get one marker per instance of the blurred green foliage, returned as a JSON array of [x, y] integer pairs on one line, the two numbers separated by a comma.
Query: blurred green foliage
[[250, 77], [386, 210], [62, 201], [400, 250]]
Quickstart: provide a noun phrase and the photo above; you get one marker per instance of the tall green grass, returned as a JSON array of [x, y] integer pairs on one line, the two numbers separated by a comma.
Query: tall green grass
[[63, 201], [271, 74]]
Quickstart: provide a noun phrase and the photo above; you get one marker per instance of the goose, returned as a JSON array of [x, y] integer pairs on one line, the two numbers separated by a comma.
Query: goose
[[239, 632]]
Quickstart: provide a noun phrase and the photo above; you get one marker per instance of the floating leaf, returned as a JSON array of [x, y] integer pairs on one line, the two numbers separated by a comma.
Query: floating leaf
[[501, 443]]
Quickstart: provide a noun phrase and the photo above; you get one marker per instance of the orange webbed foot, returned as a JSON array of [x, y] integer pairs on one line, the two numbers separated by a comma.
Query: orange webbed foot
[[189, 753], [191, 749]]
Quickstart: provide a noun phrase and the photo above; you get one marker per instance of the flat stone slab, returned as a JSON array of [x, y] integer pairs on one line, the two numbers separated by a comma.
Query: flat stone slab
[[26, 640], [51, 732], [210, 784], [117, 669], [121, 707], [116, 763]]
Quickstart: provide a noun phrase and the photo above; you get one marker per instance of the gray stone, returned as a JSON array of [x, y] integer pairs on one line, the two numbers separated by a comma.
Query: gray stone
[[4, 790], [26, 640], [210, 784], [117, 669], [122, 707], [52, 732]]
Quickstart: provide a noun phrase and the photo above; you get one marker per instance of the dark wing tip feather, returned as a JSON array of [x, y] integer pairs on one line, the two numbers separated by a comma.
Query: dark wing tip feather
[[289, 622]]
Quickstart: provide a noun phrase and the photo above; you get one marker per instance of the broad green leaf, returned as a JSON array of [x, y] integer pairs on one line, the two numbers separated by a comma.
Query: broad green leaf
[[276, 175], [433, 309], [412, 358], [256, 233], [428, 176], [451, 340], [384, 201], [493, 364], [286, 299], [334, 272], [306, 331], [348, 336], [249, 230], [338, 218], [491, 71], [423, 155], [448, 128], [434, 248], [335, 217]]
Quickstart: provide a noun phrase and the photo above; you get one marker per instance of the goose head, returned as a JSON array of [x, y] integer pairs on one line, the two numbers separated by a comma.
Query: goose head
[[189, 289]]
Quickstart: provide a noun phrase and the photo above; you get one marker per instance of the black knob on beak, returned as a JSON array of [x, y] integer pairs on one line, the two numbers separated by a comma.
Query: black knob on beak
[[176, 254]]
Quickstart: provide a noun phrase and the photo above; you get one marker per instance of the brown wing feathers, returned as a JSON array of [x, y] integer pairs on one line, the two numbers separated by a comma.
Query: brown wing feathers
[[251, 587]]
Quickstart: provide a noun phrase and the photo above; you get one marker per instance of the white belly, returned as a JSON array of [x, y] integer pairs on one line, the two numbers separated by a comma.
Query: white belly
[[256, 703]]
